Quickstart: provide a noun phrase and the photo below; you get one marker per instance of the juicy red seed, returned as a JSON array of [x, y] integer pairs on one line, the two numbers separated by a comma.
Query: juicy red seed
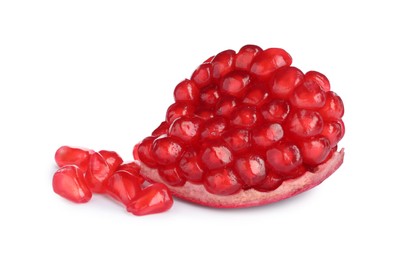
[[305, 123], [143, 152], [333, 131], [98, 173], [67, 155], [276, 110], [155, 198], [202, 75], [190, 166], [271, 182], [161, 129], [251, 169], [235, 83], [266, 62], [222, 64], [245, 116], [123, 186], [133, 168], [333, 109], [186, 129], [245, 56], [237, 139], [315, 150], [267, 135], [319, 79], [166, 150], [256, 96], [215, 156], [214, 128], [308, 95], [171, 176], [204, 114], [186, 91], [209, 96], [69, 183], [112, 159], [226, 106], [222, 182], [177, 110], [285, 81], [284, 157]]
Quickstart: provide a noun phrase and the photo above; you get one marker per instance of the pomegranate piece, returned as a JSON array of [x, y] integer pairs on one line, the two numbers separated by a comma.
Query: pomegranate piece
[[246, 129], [155, 198], [69, 183], [98, 173]]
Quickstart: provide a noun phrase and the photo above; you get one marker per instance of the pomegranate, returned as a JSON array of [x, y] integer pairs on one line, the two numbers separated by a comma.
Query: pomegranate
[[246, 129]]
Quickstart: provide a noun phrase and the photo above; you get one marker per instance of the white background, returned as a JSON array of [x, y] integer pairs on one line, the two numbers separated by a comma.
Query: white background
[[100, 74]]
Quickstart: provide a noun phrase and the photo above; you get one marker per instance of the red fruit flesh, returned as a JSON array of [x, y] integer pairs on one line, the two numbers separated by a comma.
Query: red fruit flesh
[[123, 186], [153, 199], [247, 129], [67, 155], [69, 183]]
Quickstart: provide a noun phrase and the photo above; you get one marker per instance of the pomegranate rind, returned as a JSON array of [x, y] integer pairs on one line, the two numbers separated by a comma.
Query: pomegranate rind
[[249, 198]]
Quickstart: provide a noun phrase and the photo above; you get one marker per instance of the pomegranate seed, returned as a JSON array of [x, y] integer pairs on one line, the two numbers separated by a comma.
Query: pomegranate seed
[[315, 150], [171, 175], [166, 150], [237, 139], [67, 155], [209, 96], [251, 169], [98, 173], [161, 129], [235, 83], [214, 128], [123, 186], [333, 131], [155, 198], [318, 78], [267, 135], [266, 62], [222, 64], [271, 182], [202, 75], [245, 56], [333, 109], [177, 110], [285, 81], [305, 123], [69, 183], [112, 159], [144, 151], [257, 96], [133, 168], [245, 116], [204, 114], [190, 166], [226, 106], [308, 95], [276, 110], [186, 129], [284, 157], [186, 91], [222, 182], [216, 156]]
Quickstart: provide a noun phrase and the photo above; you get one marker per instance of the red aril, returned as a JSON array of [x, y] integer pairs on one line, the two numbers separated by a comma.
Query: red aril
[[69, 183], [67, 155], [153, 199], [123, 186]]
